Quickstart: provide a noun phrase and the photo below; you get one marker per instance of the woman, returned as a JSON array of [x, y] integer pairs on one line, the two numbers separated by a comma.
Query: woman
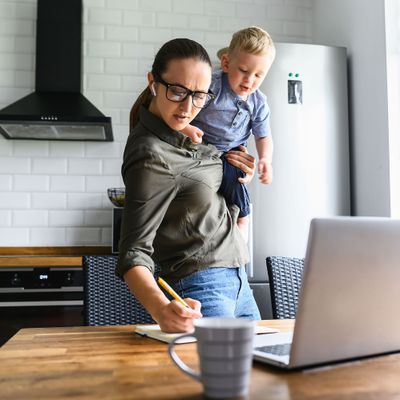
[[174, 215]]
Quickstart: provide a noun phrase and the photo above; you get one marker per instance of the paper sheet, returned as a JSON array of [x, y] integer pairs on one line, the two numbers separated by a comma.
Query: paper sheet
[[154, 332]]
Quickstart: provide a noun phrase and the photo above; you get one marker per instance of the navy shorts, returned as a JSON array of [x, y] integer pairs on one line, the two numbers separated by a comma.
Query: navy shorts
[[234, 191]]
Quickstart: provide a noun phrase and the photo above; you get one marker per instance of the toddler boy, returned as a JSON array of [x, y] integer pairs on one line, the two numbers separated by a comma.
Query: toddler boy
[[238, 110]]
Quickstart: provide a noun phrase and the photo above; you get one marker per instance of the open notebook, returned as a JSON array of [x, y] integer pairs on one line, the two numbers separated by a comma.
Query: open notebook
[[154, 332]]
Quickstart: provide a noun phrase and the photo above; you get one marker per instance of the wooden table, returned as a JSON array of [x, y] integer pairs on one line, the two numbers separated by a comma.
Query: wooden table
[[114, 363]]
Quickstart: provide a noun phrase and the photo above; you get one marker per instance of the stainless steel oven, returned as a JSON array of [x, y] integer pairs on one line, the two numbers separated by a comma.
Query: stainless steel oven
[[37, 296]]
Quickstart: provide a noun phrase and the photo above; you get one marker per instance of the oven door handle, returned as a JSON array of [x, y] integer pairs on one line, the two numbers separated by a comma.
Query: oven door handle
[[52, 290], [31, 303]]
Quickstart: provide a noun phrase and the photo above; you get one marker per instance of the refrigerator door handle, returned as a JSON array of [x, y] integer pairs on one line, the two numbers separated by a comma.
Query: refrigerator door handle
[[249, 265]]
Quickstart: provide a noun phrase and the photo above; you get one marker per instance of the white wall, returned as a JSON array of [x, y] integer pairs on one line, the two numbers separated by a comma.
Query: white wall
[[392, 17], [359, 25], [54, 193]]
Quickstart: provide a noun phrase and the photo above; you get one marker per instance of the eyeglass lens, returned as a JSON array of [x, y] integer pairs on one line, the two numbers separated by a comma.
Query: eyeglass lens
[[178, 94]]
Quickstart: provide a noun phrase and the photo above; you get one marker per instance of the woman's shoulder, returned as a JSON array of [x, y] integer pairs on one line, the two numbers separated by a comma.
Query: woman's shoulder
[[144, 154], [142, 144], [140, 135]]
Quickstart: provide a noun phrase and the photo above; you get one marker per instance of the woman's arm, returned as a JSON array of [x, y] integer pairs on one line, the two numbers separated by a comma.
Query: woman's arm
[[150, 188], [170, 315], [243, 160]]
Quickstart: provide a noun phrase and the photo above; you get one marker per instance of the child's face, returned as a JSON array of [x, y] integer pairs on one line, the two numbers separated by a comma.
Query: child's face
[[246, 71]]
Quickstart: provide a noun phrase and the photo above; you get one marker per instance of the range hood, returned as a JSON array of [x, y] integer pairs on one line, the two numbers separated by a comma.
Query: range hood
[[56, 110]]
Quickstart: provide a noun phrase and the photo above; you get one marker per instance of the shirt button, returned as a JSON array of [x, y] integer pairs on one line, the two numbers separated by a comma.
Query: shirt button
[[234, 124], [239, 113], [239, 103]]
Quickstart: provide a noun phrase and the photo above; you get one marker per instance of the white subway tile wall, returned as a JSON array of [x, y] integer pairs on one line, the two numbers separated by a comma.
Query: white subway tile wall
[[54, 193], [5, 218], [5, 182], [26, 218]]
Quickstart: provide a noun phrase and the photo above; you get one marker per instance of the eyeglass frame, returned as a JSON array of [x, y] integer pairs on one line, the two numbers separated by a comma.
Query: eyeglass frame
[[158, 79]]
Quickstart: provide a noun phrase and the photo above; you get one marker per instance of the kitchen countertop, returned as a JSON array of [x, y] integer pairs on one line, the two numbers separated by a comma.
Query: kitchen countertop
[[54, 251], [47, 256]]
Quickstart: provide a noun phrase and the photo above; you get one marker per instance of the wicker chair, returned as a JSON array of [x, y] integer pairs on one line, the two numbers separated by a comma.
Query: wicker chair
[[285, 274], [108, 300]]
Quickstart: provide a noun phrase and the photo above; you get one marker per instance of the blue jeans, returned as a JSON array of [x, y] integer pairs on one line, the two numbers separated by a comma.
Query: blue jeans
[[223, 292]]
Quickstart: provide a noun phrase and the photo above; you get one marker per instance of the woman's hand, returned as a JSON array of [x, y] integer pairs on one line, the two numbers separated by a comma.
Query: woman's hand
[[174, 317], [243, 160]]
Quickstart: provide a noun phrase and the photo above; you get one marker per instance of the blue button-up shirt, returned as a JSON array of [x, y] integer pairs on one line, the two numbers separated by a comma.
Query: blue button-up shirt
[[229, 120]]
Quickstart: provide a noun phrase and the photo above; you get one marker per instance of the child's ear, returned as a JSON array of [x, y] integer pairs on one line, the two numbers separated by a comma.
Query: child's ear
[[225, 62]]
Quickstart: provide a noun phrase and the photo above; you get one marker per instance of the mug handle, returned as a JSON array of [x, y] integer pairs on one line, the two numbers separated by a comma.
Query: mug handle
[[178, 362]]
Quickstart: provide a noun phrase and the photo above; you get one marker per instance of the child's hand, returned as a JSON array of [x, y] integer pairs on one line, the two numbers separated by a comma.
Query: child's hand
[[197, 136], [194, 133], [265, 171]]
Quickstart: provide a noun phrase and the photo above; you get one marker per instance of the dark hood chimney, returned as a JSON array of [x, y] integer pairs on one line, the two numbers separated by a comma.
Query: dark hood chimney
[[56, 110]]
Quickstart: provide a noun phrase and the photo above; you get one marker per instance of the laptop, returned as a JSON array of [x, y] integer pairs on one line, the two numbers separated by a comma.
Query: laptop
[[349, 302]]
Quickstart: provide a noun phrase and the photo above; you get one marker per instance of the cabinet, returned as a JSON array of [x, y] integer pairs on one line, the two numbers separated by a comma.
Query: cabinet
[[41, 287]]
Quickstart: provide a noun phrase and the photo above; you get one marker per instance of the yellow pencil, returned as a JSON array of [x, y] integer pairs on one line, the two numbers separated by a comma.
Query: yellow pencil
[[172, 292]]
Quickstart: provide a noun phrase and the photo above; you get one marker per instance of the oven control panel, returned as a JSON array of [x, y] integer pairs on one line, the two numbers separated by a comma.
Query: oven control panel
[[41, 277], [41, 286]]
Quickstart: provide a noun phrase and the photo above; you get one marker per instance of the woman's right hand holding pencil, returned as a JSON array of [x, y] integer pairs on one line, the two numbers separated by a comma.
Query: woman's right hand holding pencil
[[172, 316], [183, 311], [175, 317]]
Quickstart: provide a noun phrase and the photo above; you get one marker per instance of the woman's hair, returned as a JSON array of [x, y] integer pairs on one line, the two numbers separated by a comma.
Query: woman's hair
[[175, 49]]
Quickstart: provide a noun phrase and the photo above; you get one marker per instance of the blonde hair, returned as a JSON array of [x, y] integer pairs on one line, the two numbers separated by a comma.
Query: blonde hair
[[253, 40]]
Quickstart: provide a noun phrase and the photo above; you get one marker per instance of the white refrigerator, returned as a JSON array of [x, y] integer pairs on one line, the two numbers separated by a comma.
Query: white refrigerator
[[307, 94]]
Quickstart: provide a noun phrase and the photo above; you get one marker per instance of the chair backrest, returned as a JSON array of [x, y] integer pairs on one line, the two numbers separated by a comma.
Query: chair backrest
[[285, 275], [107, 299]]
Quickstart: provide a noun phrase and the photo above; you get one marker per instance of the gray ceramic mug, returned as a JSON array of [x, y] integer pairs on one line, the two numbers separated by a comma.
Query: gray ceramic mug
[[225, 348]]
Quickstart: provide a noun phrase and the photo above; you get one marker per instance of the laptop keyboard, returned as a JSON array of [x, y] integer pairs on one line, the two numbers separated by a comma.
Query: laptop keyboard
[[276, 349]]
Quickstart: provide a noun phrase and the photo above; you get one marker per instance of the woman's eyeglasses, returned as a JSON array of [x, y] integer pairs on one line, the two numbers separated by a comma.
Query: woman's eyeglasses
[[178, 93]]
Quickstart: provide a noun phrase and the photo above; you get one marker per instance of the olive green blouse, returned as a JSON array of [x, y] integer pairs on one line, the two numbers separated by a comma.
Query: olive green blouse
[[174, 216]]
